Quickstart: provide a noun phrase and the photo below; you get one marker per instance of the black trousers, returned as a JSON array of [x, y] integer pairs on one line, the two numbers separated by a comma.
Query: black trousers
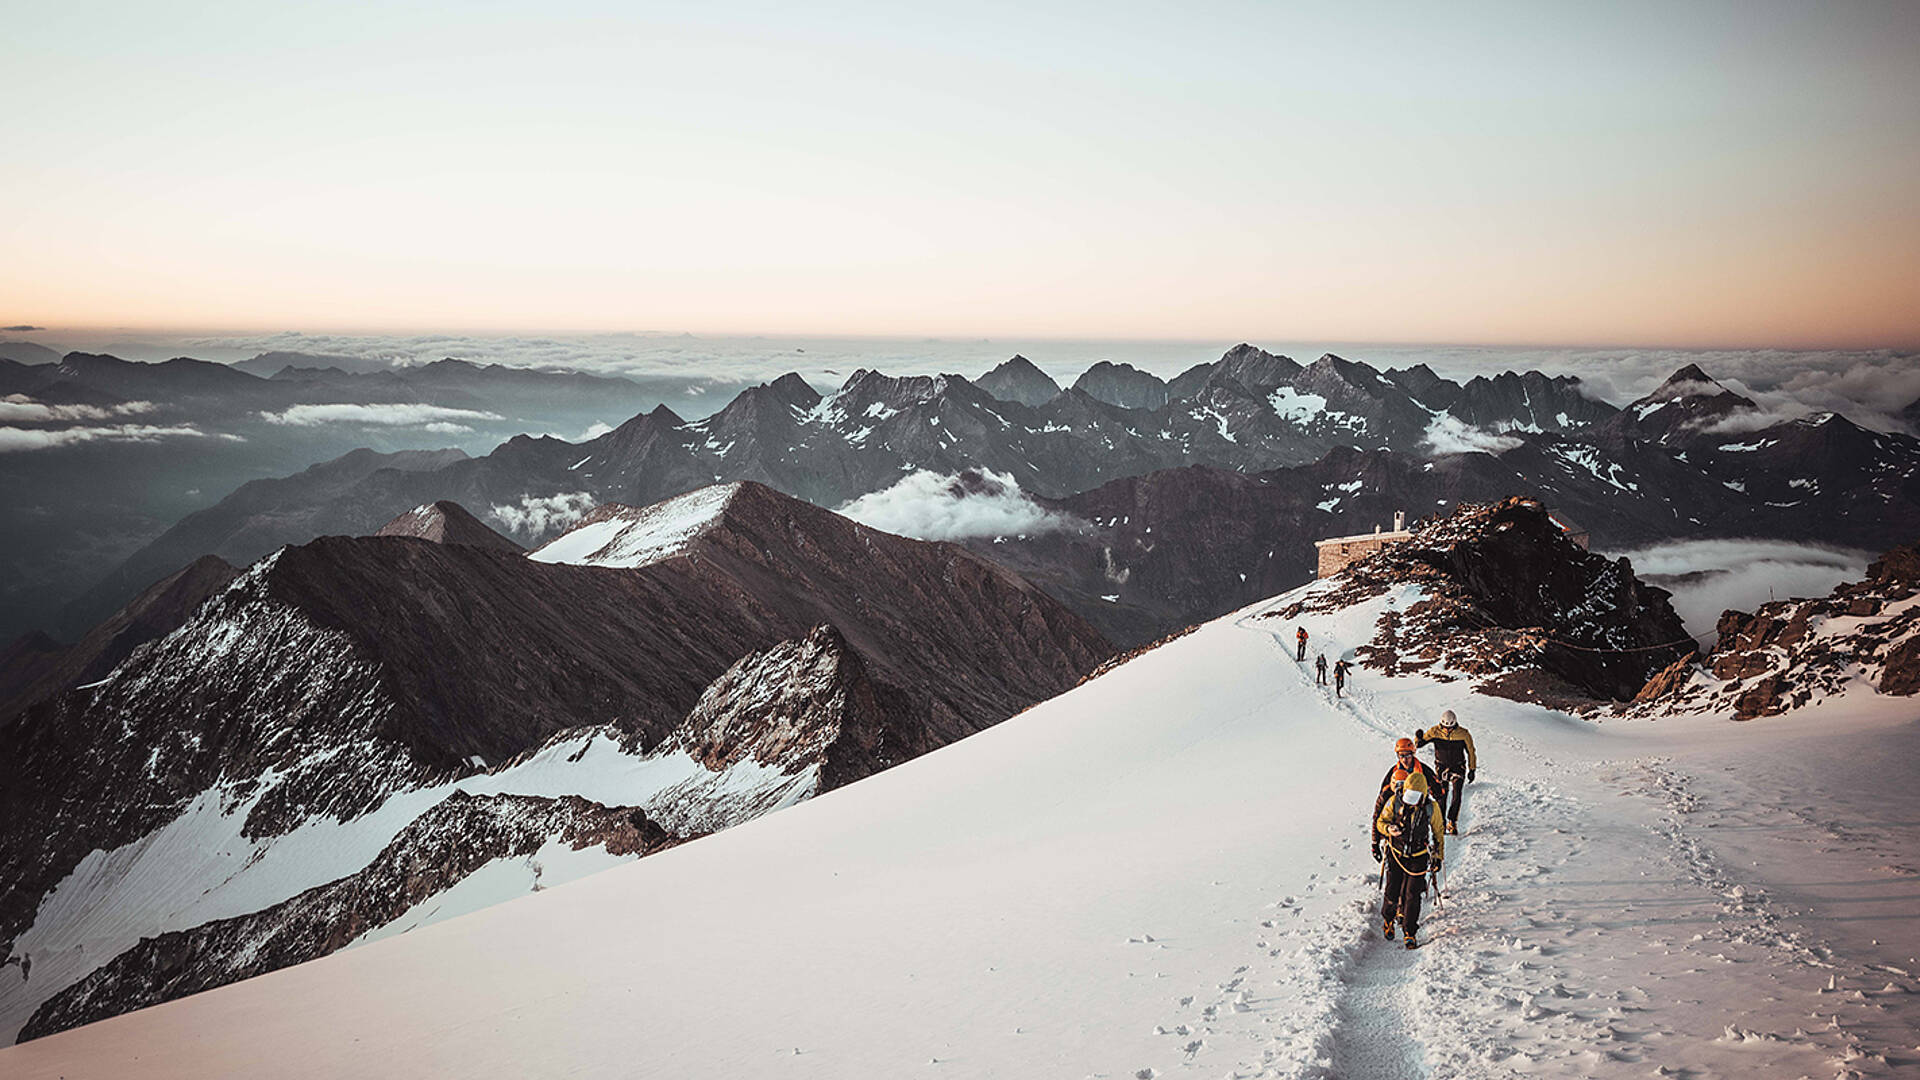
[[1406, 884], [1453, 784]]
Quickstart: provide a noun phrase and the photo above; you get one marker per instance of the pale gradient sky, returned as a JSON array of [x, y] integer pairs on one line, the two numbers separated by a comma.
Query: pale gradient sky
[[1733, 175]]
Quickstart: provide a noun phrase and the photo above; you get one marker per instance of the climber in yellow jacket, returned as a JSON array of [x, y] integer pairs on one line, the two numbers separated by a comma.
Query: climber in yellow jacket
[[1454, 757], [1415, 842]]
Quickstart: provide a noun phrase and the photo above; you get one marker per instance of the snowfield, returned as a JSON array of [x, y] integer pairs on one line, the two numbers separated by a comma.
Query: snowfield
[[1164, 872]]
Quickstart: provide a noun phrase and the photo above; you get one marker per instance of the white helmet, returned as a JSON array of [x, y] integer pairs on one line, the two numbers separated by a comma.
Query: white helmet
[[1447, 719]]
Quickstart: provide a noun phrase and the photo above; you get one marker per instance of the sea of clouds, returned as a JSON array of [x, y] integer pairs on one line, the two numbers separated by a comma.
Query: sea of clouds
[[1740, 575]]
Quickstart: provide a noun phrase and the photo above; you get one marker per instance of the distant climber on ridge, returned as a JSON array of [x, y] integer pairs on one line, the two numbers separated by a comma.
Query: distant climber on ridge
[[1340, 670], [1300, 639], [1415, 845], [1454, 756], [1405, 764], [1320, 670]]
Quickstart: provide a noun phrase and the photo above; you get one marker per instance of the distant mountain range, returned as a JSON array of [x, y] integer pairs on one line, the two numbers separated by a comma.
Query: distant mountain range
[[1246, 462], [99, 455]]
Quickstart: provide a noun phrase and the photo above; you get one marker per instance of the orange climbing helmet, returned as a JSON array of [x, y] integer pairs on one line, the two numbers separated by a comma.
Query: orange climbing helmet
[[1404, 746]]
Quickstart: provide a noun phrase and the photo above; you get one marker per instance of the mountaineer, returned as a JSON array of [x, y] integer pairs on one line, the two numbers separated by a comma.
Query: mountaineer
[[1415, 845], [1320, 669], [1454, 756], [1404, 764], [1300, 640], [1340, 669]]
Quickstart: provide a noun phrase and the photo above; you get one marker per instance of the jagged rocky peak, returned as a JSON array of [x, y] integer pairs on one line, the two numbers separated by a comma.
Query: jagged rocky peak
[[1019, 380], [1255, 368], [1792, 653], [446, 522], [616, 535], [1425, 385], [806, 702], [868, 396], [794, 390], [1122, 385], [1507, 598]]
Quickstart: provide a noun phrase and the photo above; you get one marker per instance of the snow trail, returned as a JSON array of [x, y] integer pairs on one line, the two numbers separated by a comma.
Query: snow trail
[[1371, 1038]]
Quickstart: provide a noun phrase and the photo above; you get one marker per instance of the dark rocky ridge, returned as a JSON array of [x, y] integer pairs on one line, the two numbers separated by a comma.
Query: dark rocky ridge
[[441, 847], [806, 709], [1509, 600], [356, 667]]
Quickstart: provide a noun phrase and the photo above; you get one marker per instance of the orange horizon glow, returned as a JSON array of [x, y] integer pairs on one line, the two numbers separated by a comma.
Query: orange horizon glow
[[1713, 178]]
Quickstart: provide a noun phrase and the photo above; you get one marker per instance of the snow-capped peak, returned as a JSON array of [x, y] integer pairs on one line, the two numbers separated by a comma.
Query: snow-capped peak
[[628, 537]]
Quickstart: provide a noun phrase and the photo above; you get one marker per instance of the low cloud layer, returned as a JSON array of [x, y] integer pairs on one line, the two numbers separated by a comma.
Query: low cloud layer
[[539, 516], [19, 408], [956, 506], [1741, 575], [15, 440], [1450, 435], [436, 418]]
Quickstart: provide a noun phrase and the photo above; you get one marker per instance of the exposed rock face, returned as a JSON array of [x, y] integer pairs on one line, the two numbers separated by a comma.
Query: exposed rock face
[[1667, 682], [807, 702], [1506, 593], [1527, 402], [440, 848], [1791, 653], [446, 522], [1019, 380], [1122, 385], [153, 614]]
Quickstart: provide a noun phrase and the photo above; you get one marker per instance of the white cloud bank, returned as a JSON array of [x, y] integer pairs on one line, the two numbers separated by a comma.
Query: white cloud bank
[[1451, 435], [432, 417], [1743, 574], [539, 515], [19, 408], [956, 506], [15, 440]]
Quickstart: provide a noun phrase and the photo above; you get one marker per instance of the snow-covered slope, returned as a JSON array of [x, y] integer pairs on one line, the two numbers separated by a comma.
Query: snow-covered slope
[[629, 537], [1164, 872]]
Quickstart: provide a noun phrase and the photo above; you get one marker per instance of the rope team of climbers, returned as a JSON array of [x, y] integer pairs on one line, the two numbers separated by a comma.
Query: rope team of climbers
[[1417, 808]]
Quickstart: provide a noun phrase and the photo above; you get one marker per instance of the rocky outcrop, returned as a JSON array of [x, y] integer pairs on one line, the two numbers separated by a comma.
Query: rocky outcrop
[[807, 702], [439, 849], [1792, 653], [1508, 600]]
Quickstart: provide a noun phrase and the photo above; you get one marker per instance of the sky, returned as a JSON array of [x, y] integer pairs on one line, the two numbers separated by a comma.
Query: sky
[[1708, 175]]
